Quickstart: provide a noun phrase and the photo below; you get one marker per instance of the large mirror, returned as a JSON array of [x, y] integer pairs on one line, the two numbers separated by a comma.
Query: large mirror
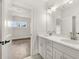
[[61, 16]]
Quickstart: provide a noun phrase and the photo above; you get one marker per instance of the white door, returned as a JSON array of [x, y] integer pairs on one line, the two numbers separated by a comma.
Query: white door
[[42, 47], [0, 29], [5, 30]]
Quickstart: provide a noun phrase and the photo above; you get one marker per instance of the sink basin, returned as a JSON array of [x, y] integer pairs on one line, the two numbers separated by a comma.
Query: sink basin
[[71, 41], [47, 35]]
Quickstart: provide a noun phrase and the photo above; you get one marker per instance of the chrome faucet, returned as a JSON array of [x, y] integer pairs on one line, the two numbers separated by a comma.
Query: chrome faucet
[[73, 37], [49, 33]]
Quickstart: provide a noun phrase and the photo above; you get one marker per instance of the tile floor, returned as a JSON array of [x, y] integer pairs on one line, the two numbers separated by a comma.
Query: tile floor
[[37, 56]]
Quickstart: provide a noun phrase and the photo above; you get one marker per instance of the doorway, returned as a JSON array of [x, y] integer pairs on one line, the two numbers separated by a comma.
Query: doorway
[[14, 31], [21, 37]]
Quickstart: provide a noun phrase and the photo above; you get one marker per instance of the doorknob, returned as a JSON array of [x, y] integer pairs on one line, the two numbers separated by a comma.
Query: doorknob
[[2, 42], [7, 41]]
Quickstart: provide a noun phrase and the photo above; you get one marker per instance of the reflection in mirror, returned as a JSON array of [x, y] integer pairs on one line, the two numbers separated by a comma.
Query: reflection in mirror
[[58, 26], [50, 24], [54, 22], [61, 18], [69, 13], [73, 27]]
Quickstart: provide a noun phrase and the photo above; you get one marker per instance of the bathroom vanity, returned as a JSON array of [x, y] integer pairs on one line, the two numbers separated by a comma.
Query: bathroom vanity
[[61, 19], [56, 47]]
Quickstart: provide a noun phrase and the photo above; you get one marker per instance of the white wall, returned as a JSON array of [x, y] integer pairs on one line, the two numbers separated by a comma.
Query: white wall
[[38, 26], [41, 20]]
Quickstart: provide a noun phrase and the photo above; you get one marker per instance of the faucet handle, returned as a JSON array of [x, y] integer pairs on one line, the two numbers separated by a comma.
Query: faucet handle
[[78, 33]]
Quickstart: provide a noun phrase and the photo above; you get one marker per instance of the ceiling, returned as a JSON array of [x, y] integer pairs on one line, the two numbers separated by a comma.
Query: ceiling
[[24, 4], [37, 3], [54, 2], [30, 3], [18, 5]]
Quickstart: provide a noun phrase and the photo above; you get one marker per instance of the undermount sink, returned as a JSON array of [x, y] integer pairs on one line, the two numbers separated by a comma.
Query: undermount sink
[[71, 41], [47, 35]]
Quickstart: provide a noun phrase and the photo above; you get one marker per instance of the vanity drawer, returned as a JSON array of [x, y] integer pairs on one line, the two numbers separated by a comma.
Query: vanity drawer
[[49, 49], [49, 52], [66, 49], [58, 46], [49, 56], [49, 43]]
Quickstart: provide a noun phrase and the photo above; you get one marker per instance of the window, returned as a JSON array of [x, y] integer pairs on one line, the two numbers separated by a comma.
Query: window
[[17, 24]]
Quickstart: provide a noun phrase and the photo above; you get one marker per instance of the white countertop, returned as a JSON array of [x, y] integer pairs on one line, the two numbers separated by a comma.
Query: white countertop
[[58, 39]]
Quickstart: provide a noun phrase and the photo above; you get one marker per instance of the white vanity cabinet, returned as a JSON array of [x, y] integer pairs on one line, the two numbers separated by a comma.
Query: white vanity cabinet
[[61, 51], [45, 48], [42, 48], [60, 55], [50, 49]]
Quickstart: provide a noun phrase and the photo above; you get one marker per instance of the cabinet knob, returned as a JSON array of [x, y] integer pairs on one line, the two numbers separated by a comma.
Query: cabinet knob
[[61, 57], [65, 58]]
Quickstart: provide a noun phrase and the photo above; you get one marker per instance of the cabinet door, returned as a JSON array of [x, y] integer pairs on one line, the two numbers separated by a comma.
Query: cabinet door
[[48, 56], [42, 47], [57, 54], [49, 49], [68, 57]]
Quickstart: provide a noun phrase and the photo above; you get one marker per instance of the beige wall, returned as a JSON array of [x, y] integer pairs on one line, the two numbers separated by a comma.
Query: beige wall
[[18, 32]]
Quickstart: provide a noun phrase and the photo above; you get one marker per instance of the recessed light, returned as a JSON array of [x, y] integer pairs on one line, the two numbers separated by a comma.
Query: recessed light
[[49, 11], [66, 1], [54, 8], [70, 2], [45, 0]]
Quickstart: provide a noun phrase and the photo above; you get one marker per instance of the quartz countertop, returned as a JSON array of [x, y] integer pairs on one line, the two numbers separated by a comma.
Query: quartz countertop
[[59, 39]]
